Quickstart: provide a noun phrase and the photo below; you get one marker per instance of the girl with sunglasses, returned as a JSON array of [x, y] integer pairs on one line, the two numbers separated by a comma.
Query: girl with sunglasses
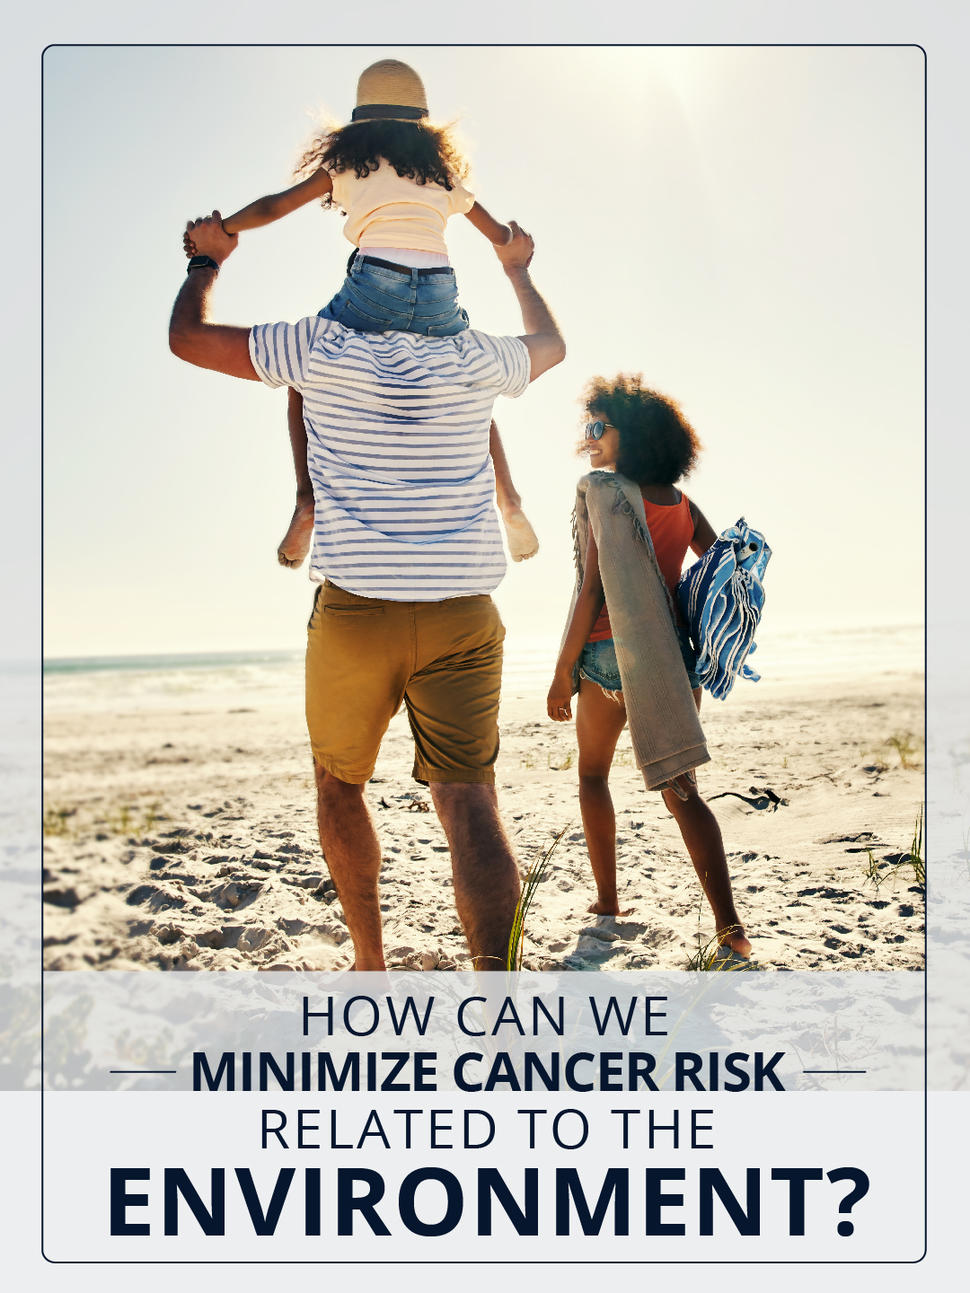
[[642, 435]]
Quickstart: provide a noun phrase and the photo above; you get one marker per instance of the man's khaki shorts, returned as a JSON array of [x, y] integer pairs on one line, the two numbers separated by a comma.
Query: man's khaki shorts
[[443, 659]]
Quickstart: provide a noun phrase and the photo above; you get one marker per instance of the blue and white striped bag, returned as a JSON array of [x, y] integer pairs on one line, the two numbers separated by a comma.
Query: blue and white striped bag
[[721, 598]]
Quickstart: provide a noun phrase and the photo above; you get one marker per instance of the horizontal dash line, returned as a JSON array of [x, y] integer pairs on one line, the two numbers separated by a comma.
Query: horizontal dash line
[[142, 1070], [836, 1071]]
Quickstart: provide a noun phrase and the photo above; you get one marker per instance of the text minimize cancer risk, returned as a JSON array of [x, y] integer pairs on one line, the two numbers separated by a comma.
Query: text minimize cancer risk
[[401, 1071]]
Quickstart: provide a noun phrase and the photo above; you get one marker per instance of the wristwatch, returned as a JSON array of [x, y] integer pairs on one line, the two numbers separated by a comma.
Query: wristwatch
[[201, 262]]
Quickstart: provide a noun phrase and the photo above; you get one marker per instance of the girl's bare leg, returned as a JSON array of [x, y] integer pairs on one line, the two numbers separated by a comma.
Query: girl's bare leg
[[296, 541], [521, 537], [599, 722], [702, 836]]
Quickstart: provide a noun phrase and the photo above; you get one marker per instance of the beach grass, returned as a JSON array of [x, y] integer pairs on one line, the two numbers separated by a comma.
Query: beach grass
[[118, 819], [904, 743], [710, 958], [537, 870], [877, 872], [124, 819], [55, 820], [916, 850]]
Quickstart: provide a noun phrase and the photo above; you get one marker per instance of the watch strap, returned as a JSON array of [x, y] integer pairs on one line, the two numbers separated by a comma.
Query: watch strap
[[201, 262]]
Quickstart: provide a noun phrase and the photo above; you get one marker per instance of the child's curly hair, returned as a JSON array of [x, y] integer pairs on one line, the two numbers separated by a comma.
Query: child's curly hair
[[417, 150], [657, 443]]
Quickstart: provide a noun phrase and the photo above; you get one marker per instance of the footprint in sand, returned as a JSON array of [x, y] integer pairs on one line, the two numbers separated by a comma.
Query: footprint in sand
[[168, 934], [643, 960], [825, 892], [255, 937], [62, 897], [846, 839], [155, 897], [235, 894], [329, 932], [630, 930], [603, 932], [167, 847], [591, 951], [172, 877], [213, 938], [293, 927]]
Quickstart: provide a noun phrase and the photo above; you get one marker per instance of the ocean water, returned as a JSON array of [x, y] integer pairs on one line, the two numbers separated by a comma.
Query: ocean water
[[258, 679], [230, 679]]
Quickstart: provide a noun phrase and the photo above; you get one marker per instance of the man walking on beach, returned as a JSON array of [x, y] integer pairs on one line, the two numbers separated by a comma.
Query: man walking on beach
[[406, 550]]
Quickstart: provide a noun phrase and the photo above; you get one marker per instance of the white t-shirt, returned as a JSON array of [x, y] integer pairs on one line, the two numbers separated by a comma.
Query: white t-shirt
[[397, 449]]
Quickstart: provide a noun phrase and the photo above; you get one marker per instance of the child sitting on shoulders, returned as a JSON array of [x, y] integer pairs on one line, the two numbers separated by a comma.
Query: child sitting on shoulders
[[398, 179]]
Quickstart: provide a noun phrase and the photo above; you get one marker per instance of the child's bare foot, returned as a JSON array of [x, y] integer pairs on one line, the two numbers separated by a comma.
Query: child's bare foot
[[520, 535], [296, 540], [600, 908], [734, 940]]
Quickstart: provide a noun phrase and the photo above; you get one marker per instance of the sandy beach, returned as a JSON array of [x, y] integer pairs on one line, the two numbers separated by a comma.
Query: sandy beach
[[180, 834]]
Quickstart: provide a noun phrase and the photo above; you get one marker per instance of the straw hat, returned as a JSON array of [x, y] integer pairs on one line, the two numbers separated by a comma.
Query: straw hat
[[391, 91]]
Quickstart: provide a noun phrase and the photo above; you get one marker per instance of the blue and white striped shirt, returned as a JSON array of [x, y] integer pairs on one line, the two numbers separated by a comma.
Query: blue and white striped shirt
[[397, 448]]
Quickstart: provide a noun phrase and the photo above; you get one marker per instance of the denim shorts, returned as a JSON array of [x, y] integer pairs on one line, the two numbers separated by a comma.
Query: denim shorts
[[598, 662], [377, 298]]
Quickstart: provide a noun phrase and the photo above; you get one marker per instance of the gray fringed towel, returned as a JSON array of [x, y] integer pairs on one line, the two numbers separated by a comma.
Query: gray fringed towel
[[664, 724]]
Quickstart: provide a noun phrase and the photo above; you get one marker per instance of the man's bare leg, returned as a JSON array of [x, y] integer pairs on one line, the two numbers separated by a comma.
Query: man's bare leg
[[521, 537], [485, 874], [296, 541], [353, 857]]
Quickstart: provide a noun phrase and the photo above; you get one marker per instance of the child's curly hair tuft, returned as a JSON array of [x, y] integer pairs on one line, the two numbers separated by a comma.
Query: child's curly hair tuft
[[657, 443], [417, 150]]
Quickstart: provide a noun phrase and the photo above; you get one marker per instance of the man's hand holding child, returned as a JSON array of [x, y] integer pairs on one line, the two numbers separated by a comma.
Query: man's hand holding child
[[517, 253], [206, 237]]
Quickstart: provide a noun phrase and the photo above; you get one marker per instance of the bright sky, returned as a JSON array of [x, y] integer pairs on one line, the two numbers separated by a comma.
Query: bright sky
[[742, 225]]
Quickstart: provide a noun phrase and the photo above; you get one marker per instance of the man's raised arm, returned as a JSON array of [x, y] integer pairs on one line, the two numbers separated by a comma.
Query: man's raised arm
[[543, 338], [190, 336]]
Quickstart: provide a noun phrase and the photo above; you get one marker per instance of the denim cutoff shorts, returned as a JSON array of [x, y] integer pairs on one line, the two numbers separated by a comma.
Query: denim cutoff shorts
[[379, 297], [598, 662]]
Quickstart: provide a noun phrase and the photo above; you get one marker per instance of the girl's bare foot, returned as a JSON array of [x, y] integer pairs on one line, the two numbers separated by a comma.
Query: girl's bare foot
[[519, 534], [296, 540], [600, 908], [733, 938]]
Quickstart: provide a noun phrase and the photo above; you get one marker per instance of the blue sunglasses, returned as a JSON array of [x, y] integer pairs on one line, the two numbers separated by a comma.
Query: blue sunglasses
[[596, 430]]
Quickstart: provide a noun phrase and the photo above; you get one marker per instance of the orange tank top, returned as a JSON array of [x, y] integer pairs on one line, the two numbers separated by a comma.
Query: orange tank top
[[671, 527]]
